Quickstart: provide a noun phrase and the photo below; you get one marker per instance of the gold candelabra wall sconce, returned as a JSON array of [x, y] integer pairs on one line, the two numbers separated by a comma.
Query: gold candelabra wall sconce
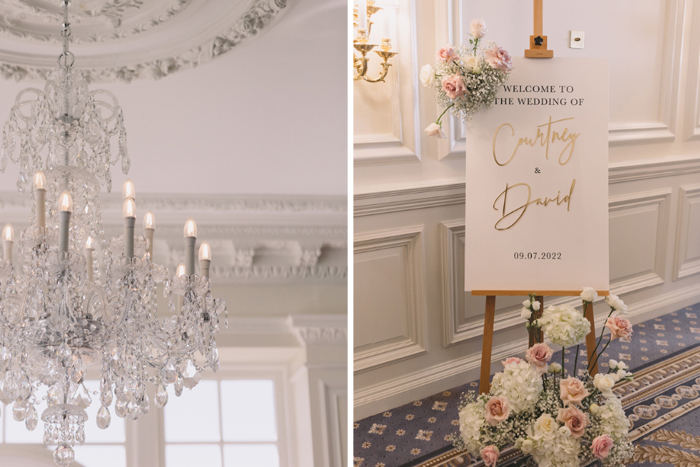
[[362, 20]]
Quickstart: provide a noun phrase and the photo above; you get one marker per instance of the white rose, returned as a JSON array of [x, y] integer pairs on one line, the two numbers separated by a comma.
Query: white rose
[[427, 75], [545, 424], [527, 446], [536, 305], [526, 303], [613, 364], [622, 365], [525, 314], [473, 64], [615, 302], [589, 294], [615, 376], [594, 408], [554, 367], [478, 28], [621, 374], [435, 130], [604, 383]]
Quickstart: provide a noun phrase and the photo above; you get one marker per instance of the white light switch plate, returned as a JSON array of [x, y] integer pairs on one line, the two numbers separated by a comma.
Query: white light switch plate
[[576, 39]]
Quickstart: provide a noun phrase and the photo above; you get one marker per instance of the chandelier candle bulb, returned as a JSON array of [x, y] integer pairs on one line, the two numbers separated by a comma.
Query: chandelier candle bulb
[[89, 248], [149, 228], [204, 259], [8, 238], [129, 212], [40, 198], [362, 14], [65, 205], [128, 190], [190, 240]]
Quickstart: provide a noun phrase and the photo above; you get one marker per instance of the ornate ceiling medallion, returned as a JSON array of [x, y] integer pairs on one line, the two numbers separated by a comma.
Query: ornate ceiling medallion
[[121, 40]]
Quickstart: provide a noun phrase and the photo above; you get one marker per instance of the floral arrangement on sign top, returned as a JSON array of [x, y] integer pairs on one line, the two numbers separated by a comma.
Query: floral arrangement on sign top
[[554, 419], [467, 77]]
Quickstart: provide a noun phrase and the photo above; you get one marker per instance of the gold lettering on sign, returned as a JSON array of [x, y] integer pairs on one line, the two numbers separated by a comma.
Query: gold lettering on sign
[[523, 194], [544, 139]]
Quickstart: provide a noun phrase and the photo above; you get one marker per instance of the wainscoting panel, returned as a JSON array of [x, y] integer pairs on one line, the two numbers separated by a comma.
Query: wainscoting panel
[[687, 257], [389, 311]]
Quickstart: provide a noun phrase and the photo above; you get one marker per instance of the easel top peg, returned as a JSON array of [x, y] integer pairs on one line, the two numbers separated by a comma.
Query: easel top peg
[[538, 41]]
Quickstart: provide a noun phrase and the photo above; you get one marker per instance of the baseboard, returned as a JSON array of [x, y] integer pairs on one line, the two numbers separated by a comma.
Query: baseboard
[[423, 383]]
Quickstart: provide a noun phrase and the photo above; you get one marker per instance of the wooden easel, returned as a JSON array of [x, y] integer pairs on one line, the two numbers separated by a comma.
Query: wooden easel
[[490, 313], [538, 41]]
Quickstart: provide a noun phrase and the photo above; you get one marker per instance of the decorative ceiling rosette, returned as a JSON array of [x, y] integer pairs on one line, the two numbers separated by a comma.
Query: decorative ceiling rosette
[[121, 40]]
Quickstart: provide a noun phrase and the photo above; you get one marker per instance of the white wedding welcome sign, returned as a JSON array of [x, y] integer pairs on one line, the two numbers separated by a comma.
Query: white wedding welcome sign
[[537, 181]]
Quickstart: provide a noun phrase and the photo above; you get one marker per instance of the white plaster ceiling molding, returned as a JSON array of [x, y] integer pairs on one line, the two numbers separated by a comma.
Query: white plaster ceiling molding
[[121, 40]]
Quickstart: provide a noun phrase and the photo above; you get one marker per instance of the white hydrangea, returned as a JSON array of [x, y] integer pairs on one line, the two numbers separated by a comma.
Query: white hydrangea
[[519, 383], [471, 418], [550, 444], [564, 325], [612, 419]]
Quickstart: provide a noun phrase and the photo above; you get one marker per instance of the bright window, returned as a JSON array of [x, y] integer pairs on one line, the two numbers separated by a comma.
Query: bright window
[[226, 423]]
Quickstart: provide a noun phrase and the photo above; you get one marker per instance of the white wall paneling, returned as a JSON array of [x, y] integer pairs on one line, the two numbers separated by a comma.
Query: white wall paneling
[[687, 257], [692, 110], [644, 217], [390, 311], [387, 128]]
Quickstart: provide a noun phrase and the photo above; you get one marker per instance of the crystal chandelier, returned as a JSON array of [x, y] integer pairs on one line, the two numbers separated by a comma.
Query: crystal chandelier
[[59, 313]]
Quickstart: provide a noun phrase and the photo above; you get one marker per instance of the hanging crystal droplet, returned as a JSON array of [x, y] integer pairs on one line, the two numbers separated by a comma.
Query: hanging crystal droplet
[[106, 397], [82, 398], [63, 455], [19, 412], [120, 408], [190, 377], [64, 354], [9, 389], [178, 386], [80, 436], [169, 372], [32, 419], [103, 418], [25, 388], [161, 397]]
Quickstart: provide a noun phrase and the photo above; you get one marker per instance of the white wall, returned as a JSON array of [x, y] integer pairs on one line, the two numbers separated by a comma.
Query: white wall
[[416, 331]]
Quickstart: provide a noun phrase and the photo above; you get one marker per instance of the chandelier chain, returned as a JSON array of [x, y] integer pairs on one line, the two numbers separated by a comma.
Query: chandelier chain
[[66, 59]]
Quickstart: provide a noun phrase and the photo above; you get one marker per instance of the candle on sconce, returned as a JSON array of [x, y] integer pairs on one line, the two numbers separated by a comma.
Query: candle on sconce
[[40, 198], [190, 240], [65, 206], [204, 259], [129, 212], [362, 14], [8, 239], [149, 228], [89, 248]]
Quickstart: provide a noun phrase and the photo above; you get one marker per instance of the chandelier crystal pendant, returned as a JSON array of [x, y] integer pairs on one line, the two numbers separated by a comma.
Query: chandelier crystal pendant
[[60, 315]]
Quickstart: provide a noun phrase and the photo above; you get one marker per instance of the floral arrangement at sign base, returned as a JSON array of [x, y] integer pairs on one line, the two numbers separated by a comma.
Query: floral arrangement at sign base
[[554, 419], [467, 77]]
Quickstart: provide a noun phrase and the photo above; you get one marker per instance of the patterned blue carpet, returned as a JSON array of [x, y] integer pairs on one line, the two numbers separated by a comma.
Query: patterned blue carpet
[[415, 432]]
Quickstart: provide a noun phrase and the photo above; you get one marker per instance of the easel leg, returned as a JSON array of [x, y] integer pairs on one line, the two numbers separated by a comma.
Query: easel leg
[[590, 338], [489, 316]]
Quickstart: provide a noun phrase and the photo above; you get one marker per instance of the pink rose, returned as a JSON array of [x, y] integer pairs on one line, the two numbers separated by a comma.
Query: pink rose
[[539, 355], [496, 410], [619, 327], [510, 360], [572, 390], [601, 446], [574, 419], [478, 28], [447, 54], [490, 455], [453, 86], [499, 58]]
